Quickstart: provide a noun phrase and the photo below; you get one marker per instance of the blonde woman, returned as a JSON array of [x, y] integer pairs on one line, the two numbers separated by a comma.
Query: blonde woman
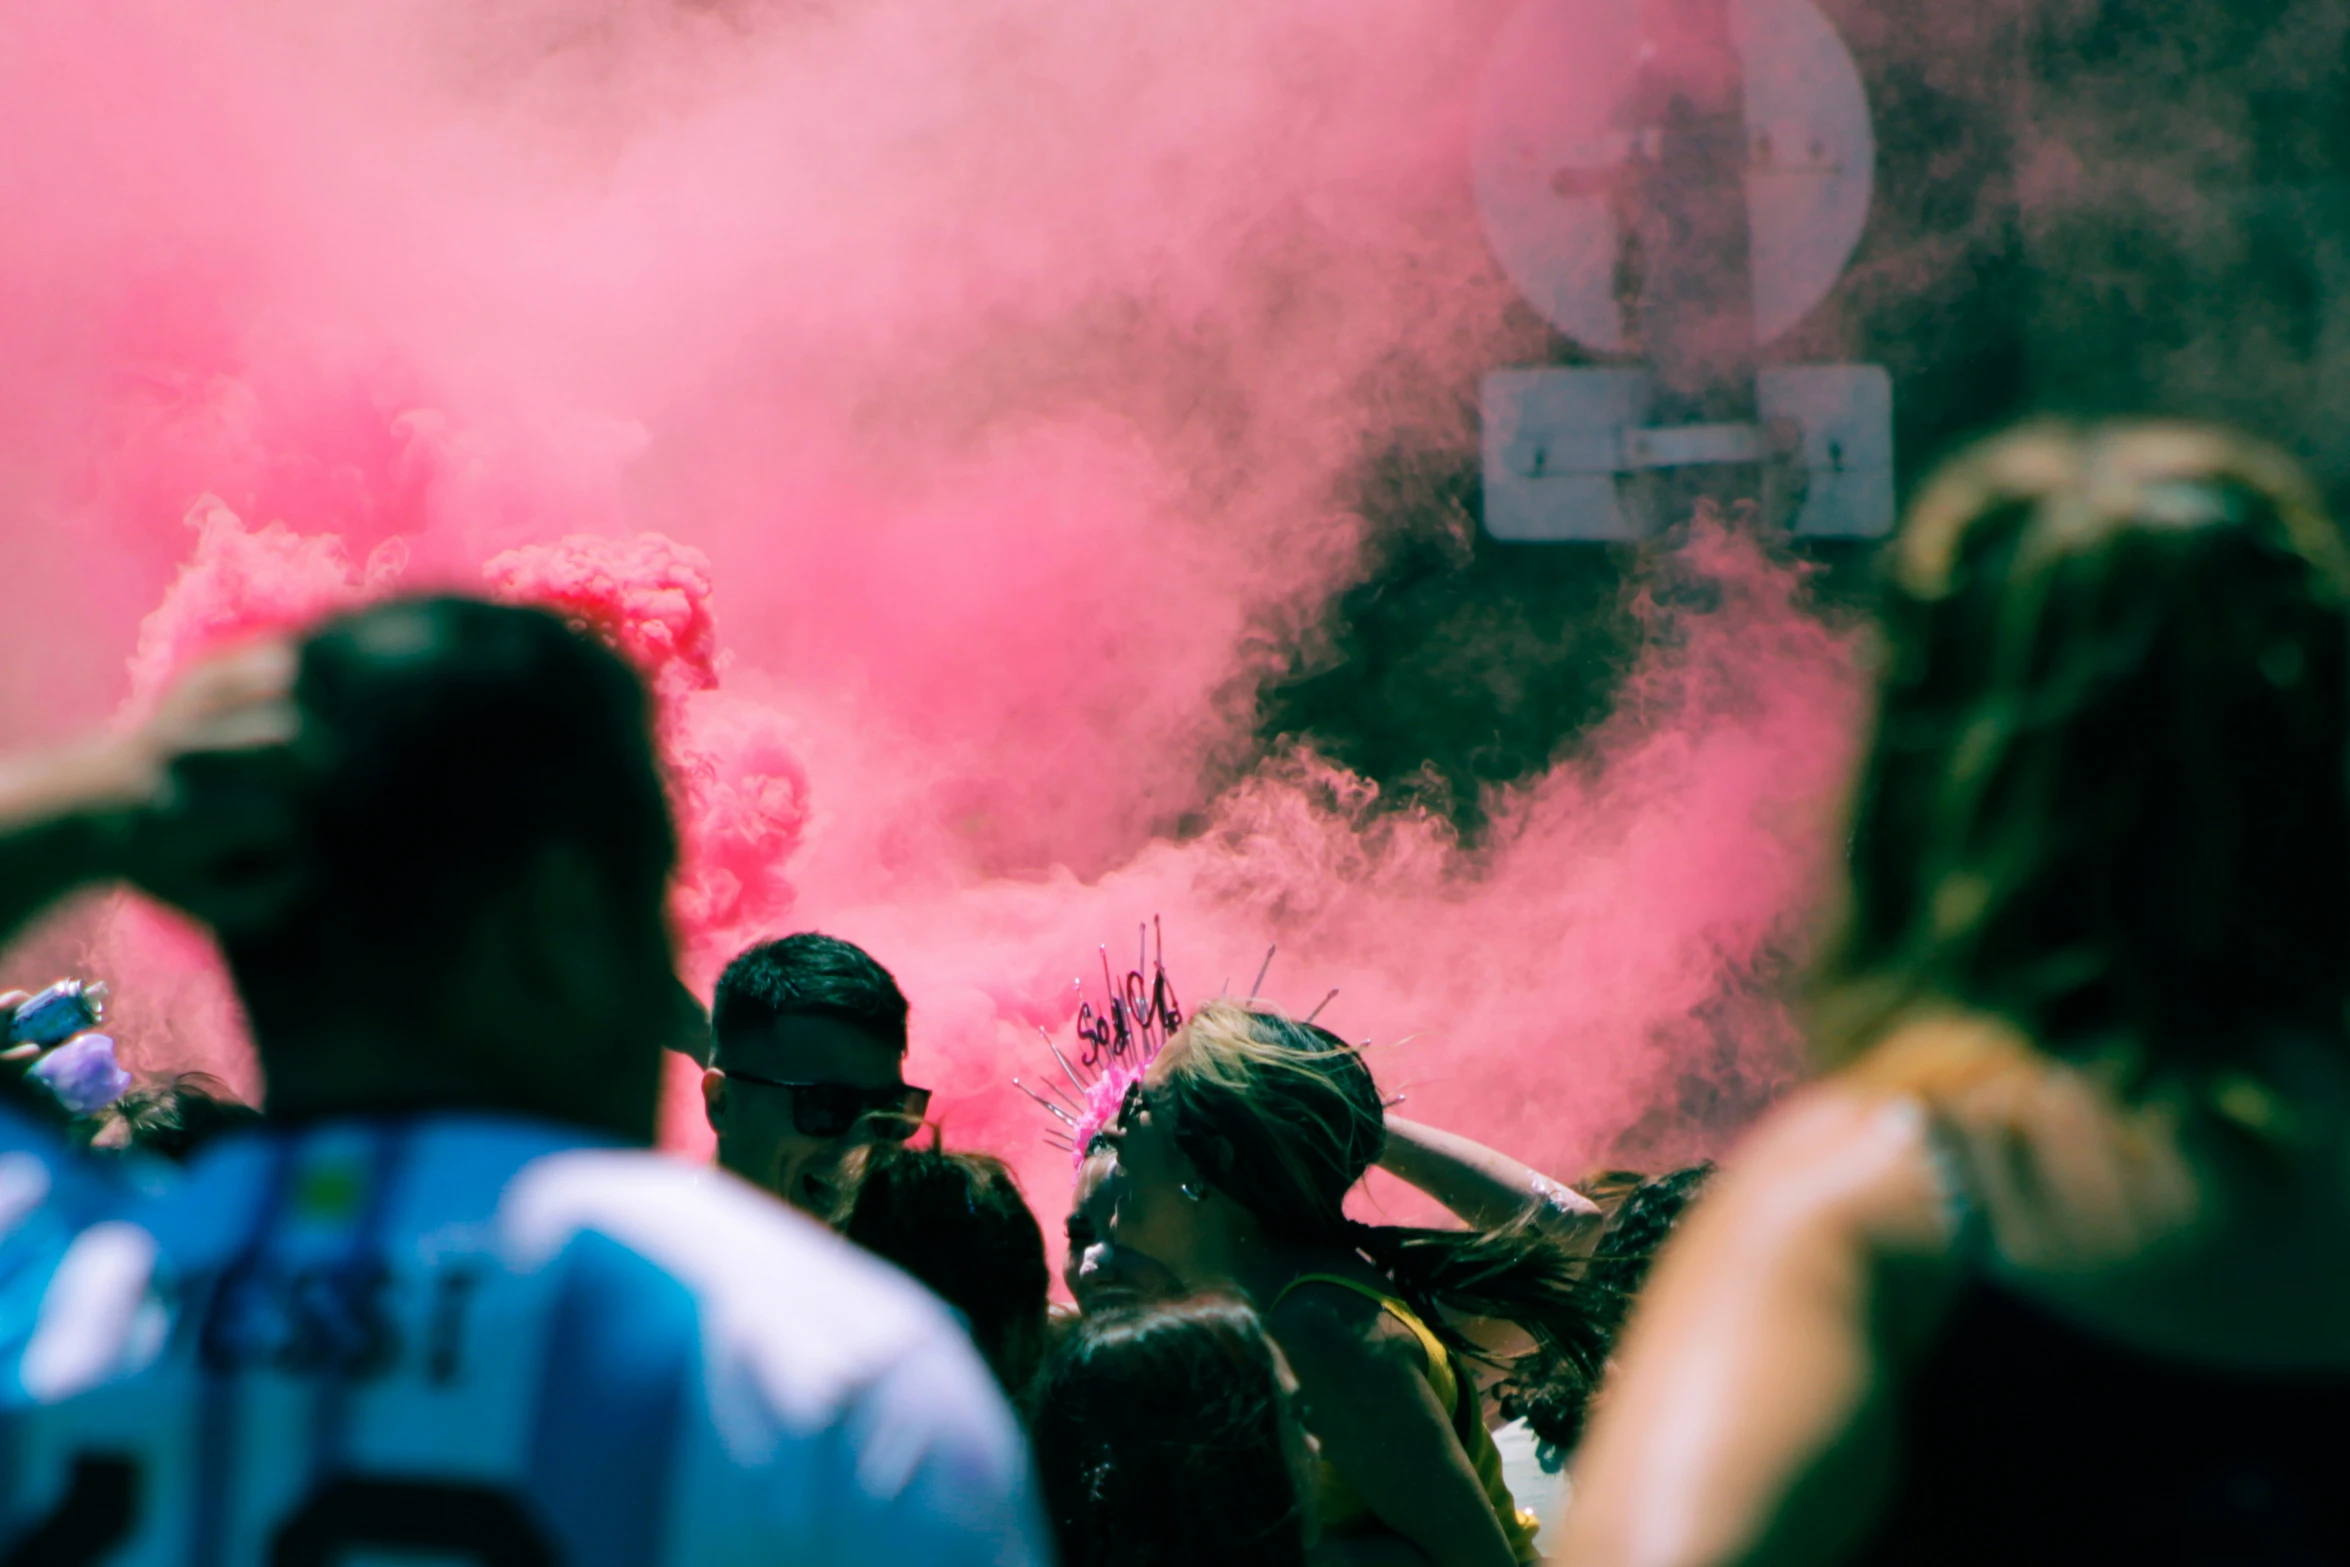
[[2055, 1265], [1235, 1152]]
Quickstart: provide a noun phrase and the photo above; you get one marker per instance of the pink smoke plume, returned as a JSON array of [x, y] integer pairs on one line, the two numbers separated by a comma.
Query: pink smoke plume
[[1598, 976], [239, 582], [741, 794], [648, 596], [953, 406]]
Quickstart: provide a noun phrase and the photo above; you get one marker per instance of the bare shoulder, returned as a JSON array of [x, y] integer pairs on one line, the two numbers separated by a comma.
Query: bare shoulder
[[1745, 1383]]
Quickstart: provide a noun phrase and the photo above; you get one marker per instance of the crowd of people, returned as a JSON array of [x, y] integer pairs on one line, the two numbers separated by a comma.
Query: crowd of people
[[2047, 1263]]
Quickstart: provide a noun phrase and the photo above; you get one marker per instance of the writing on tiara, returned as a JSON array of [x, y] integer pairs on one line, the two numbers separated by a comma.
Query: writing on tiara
[[1143, 1011]]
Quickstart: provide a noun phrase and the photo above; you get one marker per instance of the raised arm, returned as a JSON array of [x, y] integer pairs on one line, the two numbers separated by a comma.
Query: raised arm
[[1484, 1187], [184, 803], [55, 834]]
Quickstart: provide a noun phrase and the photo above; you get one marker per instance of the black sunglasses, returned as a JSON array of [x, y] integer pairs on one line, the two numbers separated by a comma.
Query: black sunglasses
[[833, 1109]]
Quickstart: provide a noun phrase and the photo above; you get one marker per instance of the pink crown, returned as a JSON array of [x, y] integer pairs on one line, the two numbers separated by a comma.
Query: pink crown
[[1117, 1046], [1114, 1047]]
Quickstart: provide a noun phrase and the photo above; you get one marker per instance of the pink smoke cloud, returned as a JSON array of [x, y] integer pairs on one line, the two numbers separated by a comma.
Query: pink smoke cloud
[[953, 407], [648, 596], [1597, 977], [741, 793], [241, 582]]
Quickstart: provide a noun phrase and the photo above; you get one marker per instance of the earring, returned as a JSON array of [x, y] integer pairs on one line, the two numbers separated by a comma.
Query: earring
[[1194, 1191]]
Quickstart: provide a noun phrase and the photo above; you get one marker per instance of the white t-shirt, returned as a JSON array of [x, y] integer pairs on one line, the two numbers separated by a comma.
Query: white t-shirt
[[475, 1340]]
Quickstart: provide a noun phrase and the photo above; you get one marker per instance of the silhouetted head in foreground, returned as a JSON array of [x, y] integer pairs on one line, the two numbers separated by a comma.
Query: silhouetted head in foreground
[[481, 851], [957, 1222], [2106, 795], [1165, 1437]]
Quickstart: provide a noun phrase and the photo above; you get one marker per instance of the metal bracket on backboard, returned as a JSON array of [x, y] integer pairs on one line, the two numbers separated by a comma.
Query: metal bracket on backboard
[[1558, 441]]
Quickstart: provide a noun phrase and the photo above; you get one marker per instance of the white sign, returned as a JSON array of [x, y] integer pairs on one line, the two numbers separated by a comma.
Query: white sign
[[1554, 134], [1564, 450]]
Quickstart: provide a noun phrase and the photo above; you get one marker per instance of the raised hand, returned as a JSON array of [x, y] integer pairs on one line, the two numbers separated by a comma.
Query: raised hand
[[192, 803], [215, 830]]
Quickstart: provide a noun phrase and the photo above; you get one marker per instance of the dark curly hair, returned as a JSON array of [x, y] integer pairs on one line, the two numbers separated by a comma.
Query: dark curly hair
[[1552, 1395]]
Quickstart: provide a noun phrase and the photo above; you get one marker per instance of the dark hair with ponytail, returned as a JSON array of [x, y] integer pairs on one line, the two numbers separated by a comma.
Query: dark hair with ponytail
[[1284, 1118]]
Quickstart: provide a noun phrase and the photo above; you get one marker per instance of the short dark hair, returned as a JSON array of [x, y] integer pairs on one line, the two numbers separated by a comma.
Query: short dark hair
[[445, 742], [808, 975], [1159, 1440], [957, 1222]]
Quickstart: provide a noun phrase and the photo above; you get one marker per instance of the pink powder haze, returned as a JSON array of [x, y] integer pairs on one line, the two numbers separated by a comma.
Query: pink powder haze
[[952, 408]]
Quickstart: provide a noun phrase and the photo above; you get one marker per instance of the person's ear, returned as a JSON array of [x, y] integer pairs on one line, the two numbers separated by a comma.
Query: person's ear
[[714, 1098]]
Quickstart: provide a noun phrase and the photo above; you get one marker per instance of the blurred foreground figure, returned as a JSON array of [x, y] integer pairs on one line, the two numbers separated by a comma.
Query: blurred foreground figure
[[443, 1305], [2055, 1267], [1167, 1436], [106, 807]]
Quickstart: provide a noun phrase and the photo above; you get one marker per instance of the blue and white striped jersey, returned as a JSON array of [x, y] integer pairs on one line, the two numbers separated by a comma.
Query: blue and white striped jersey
[[470, 1339]]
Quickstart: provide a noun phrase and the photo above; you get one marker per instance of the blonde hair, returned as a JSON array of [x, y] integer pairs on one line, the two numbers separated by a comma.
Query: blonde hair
[[1293, 1106], [1284, 1118]]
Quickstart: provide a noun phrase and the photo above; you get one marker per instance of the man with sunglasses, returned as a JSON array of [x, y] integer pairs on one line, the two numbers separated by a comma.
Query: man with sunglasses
[[808, 1062]]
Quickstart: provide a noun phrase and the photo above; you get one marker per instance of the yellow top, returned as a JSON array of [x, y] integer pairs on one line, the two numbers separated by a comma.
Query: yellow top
[[1345, 1512]]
